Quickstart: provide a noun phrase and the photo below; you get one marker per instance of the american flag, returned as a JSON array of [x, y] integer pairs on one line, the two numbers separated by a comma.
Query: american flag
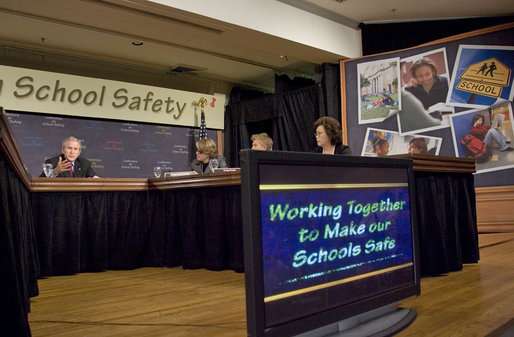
[[203, 129]]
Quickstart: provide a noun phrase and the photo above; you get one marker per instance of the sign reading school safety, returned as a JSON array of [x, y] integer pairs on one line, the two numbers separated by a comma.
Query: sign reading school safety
[[46, 92], [487, 77]]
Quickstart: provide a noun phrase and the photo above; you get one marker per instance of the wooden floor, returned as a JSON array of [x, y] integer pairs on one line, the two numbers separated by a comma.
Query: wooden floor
[[175, 302]]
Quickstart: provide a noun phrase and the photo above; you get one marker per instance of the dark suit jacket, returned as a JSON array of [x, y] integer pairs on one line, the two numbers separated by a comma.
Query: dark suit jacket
[[82, 168], [340, 149], [196, 165]]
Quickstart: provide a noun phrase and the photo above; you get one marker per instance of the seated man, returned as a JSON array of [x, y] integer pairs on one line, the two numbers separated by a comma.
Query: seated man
[[262, 142], [68, 164]]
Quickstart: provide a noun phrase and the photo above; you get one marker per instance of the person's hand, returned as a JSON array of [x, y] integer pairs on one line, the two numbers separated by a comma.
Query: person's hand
[[62, 166], [412, 83]]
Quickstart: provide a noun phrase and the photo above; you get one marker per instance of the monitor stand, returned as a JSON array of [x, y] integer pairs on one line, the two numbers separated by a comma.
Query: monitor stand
[[380, 322]]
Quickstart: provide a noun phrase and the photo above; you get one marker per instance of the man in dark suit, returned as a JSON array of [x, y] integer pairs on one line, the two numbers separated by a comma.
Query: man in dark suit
[[68, 164]]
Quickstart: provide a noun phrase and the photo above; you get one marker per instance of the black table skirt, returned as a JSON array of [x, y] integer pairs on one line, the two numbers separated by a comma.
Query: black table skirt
[[201, 228], [94, 231], [447, 227]]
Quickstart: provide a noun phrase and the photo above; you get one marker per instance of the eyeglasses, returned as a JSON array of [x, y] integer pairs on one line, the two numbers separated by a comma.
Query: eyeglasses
[[316, 134]]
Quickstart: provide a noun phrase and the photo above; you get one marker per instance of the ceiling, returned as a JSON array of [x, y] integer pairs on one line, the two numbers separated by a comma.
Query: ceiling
[[183, 42], [372, 11]]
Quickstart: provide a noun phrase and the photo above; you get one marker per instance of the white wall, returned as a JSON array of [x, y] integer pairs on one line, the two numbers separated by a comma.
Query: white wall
[[278, 19]]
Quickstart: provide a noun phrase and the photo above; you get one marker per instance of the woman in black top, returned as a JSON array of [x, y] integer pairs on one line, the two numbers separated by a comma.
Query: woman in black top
[[430, 88], [329, 137]]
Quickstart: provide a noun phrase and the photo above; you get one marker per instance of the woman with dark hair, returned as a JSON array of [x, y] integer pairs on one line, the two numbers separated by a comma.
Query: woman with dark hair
[[418, 146], [430, 88], [487, 134], [329, 137]]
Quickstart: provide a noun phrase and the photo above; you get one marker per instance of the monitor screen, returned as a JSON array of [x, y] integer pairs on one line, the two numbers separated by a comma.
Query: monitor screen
[[326, 238]]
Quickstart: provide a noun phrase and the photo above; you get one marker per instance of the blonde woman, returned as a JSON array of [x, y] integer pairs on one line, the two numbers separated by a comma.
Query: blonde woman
[[205, 153]]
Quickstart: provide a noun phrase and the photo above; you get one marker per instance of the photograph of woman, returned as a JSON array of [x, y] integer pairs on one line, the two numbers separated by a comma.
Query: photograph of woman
[[426, 84], [425, 81]]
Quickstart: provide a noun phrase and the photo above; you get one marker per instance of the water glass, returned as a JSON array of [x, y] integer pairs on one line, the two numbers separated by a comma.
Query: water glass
[[214, 164], [157, 172], [47, 169]]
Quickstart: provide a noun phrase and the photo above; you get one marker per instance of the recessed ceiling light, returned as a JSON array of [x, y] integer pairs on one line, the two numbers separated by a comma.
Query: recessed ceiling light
[[137, 43]]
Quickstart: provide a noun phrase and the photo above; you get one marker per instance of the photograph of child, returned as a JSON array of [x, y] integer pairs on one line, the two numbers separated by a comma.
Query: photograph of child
[[381, 143], [485, 135]]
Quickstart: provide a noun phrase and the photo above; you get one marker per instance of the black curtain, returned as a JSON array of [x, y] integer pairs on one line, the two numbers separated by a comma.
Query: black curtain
[[287, 116], [331, 89], [18, 257], [384, 37], [293, 131]]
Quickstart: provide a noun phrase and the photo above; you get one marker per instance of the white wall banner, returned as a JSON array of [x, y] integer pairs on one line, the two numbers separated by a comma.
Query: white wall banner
[[46, 92]]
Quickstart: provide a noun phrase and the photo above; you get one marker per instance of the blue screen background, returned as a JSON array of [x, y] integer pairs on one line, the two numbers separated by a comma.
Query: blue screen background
[[281, 238]]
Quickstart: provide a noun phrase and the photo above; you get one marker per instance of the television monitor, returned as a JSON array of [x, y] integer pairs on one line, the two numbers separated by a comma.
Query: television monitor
[[330, 243]]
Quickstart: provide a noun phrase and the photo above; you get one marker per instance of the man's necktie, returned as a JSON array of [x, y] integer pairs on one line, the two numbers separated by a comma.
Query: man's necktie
[[71, 169]]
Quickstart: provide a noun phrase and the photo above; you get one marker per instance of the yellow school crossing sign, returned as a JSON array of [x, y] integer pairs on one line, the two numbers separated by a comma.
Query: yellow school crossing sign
[[487, 77]]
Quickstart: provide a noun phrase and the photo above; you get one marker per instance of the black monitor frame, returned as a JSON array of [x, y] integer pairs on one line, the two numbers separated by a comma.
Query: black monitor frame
[[251, 161]]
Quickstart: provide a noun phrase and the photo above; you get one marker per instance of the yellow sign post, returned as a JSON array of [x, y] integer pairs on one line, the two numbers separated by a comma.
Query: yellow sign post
[[487, 77]]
